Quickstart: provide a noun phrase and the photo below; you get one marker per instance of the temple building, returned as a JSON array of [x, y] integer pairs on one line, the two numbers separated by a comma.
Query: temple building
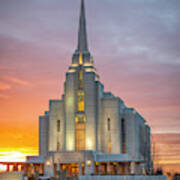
[[89, 131]]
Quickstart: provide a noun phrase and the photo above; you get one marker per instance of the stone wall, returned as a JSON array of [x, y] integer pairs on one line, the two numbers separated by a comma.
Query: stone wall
[[43, 134], [123, 178]]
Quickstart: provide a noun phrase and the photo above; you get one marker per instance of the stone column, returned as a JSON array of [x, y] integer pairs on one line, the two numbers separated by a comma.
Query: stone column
[[7, 168], [138, 168], [21, 168], [15, 167], [89, 168], [49, 169], [126, 169], [33, 168], [57, 167], [99, 169], [108, 168], [133, 168], [143, 169], [118, 169], [115, 168], [80, 169], [121, 168], [25, 169], [41, 171]]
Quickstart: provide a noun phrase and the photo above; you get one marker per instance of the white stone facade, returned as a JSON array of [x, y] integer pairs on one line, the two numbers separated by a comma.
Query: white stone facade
[[114, 133]]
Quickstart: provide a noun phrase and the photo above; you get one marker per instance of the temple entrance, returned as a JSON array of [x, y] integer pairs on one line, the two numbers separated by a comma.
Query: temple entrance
[[112, 168], [71, 170]]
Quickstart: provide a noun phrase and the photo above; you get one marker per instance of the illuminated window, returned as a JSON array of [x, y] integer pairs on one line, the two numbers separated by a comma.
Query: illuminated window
[[80, 134], [80, 78], [80, 101], [80, 58], [19, 167], [109, 134], [58, 146], [109, 146], [58, 125], [123, 135]]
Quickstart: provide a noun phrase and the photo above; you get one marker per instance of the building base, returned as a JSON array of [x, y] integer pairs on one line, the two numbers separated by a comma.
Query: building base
[[122, 178]]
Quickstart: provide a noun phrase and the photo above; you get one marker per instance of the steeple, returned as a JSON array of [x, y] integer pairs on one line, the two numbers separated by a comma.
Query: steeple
[[82, 47], [82, 34]]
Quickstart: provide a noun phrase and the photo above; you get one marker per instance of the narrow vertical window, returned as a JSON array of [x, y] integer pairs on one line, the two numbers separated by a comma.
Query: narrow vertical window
[[80, 101], [81, 79], [58, 146], [58, 125], [123, 135], [80, 133], [109, 124], [109, 146], [109, 135]]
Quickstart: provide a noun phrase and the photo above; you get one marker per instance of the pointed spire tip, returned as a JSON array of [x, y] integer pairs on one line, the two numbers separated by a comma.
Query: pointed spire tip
[[82, 35]]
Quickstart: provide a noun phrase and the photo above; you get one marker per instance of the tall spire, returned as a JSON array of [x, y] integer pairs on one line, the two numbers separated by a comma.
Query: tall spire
[[82, 35], [82, 47]]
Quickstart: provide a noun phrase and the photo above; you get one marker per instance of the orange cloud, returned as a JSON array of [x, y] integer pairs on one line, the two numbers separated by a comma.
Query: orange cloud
[[18, 81], [4, 86], [2, 96]]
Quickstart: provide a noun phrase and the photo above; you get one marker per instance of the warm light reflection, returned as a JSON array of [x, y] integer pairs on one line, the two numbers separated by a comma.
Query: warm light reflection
[[90, 70], [89, 144], [88, 162], [109, 147], [48, 163], [80, 58], [71, 70], [167, 161], [11, 168], [12, 156], [88, 64], [74, 65], [3, 168], [80, 135], [80, 101], [19, 167], [70, 143]]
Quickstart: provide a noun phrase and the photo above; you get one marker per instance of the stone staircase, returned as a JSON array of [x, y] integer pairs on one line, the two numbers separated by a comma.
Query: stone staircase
[[65, 178], [11, 176]]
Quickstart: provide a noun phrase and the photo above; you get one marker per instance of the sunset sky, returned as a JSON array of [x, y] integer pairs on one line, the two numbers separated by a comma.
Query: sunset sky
[[136, 49]]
